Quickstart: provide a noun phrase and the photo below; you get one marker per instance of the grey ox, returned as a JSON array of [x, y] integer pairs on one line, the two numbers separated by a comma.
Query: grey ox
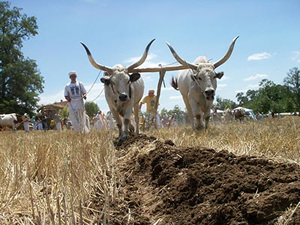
[[198, 85], [124, 88]]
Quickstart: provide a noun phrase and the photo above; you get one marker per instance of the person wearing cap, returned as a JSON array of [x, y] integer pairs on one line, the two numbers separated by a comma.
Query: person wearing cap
[[149, 100], [74, 94]]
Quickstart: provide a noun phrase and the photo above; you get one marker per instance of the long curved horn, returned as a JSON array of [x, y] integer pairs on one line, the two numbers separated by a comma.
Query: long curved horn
[[142, 60], [180, 60], [227, 55], [94, 63]]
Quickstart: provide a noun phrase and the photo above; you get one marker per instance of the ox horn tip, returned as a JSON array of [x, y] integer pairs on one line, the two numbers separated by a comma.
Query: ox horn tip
[[152, 40], [148, 46], [86, 48]]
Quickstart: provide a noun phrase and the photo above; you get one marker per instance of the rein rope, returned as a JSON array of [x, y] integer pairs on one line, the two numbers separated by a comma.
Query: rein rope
[[197, 82]]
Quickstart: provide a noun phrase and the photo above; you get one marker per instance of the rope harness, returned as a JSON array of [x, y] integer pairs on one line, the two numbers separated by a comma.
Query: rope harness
[[197, 82]]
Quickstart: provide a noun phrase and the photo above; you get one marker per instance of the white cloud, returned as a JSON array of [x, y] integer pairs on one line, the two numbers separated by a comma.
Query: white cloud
[[249, 87], [296, 56], [223, 78], [148, 63], [167, 89], [175, 97], [259, 56], [220, 86], [137, 58], [255, 77], [253, 86], [147, 77], [49, 99]]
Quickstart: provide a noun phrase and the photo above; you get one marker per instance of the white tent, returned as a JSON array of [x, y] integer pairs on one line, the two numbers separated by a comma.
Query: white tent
[[248, 111], [218, 111]]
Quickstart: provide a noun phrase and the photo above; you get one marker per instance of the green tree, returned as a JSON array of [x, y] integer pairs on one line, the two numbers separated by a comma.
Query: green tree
[[225, 103], [292, 81], [91, 108], [242, 98], [20, 80], [177, 111], [165, 111], [64, 112], [269, 97]]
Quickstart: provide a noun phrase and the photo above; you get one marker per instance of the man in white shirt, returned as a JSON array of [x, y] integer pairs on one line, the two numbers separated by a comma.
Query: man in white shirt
[[75, 93]]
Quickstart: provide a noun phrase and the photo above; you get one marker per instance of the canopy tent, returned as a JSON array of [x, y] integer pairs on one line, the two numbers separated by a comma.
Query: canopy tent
[[247, 111], [218, 111]]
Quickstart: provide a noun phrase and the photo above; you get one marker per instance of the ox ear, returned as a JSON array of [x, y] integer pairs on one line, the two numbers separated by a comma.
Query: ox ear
[[105, 80], [134, 77], [219, 75]]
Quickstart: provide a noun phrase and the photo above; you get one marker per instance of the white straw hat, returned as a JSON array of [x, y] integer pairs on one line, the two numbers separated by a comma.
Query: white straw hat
[[72, 72]]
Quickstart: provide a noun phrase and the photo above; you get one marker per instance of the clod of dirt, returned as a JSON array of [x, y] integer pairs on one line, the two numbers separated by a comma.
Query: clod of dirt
[[175, 185]]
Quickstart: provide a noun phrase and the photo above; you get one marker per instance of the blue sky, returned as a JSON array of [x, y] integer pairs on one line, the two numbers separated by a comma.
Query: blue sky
[[117, 32]]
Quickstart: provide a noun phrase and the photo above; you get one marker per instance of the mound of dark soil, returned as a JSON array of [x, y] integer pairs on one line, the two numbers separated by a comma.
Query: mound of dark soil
[[164, 184]]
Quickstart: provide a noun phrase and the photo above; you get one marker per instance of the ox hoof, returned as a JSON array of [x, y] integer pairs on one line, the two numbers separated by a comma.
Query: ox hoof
[[200, 128], [119, 141], [131, 129], [123, 138]]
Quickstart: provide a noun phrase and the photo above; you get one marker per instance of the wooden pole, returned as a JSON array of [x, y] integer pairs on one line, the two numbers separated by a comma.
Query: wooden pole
[[162, 73]]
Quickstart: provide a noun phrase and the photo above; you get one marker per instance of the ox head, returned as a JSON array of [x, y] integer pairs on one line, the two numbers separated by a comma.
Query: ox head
[[119, 78], [120, 83], [203, 72], [19, 119]]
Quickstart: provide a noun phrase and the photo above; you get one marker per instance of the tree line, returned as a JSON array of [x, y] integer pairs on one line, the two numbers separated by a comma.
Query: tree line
[[274, 97], [270, 97]]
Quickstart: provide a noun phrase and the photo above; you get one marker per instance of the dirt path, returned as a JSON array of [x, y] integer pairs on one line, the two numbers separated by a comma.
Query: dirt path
[[164, 184]]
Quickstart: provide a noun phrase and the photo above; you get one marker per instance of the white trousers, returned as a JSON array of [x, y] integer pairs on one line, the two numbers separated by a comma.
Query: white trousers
[[26, 126], [78, 119], [58, 126]]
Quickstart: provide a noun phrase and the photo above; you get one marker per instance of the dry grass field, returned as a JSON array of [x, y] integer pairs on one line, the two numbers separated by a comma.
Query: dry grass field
[[67, 178]]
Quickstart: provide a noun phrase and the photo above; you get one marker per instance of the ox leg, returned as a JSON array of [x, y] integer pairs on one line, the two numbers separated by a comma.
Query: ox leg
[[126, 129], [118, 120], [131, 128], [136, 117], [206, 118], [189, 111], [127, 123], [197, 114]]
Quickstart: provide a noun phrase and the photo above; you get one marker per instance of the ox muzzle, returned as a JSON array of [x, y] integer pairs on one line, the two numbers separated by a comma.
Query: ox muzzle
[[209, 94]]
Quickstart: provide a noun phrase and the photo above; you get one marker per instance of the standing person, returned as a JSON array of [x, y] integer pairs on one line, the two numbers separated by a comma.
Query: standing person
[[57, 120], [88, 123], [74, 94], [38, 119], [26, 120], [110, 121], [150, 101], [100, 124], [33, 121], [44, 121]]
